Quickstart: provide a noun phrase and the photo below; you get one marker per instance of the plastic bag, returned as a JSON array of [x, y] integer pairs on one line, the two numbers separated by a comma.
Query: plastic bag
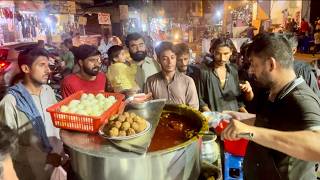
[[59, 174]]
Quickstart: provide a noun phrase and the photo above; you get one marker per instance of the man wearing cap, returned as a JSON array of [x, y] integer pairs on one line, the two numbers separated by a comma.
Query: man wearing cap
[[23, 109], [89, 78]]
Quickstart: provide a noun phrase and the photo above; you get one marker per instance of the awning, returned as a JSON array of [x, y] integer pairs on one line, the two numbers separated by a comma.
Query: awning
[[6, 4], [29, 5]]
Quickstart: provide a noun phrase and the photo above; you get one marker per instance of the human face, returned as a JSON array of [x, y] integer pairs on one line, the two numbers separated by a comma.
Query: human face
[[182, 62], [91, 65], [137, 45], [168, 61], [222, 55], [259, 72], [121, 57], [64, 48], [137, 49], [39, 71]]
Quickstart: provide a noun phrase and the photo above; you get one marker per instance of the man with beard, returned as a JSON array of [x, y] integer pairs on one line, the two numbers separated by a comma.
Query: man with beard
[[183, 61], [89, 78], [302, 68], [170, 84], [23, 109], [146, 65], [285, 137]]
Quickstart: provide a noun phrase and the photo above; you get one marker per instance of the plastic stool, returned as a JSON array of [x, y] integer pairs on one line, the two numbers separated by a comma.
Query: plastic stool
[[233, 167]]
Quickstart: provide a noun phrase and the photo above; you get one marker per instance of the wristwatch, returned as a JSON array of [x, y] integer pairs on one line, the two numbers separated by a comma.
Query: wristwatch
[[246, 135]]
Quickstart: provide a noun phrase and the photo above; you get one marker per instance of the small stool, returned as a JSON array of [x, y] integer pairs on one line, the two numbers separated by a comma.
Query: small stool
[[233, 169]]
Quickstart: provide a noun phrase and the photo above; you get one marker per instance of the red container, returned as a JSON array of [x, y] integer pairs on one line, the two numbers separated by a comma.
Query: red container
[[221, 126], [237, 148], [90, 124]]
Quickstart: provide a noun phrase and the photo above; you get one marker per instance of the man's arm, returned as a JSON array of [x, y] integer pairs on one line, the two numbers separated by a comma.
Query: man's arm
[[246, 89], [303, 144], [147, 87], [8, 112], [246, 118], [199, 82], [192, 95]]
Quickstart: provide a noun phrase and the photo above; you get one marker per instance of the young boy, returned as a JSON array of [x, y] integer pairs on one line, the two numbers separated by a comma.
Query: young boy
[[121, 75]]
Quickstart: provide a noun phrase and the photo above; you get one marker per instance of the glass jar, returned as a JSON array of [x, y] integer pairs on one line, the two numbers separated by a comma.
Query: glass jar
[[210, 150]]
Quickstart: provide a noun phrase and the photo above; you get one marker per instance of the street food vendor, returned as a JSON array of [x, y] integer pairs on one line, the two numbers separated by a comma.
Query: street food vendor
[[285, 136], [170, 84]]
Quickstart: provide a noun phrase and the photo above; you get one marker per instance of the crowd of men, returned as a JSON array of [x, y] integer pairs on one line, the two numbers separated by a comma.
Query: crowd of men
[[285, 142]]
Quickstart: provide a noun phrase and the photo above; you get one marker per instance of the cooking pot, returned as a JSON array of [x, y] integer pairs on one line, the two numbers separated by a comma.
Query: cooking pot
[[93, 157]]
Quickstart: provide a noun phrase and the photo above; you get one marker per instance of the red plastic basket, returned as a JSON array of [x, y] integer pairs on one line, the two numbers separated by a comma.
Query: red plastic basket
[[90, 124]]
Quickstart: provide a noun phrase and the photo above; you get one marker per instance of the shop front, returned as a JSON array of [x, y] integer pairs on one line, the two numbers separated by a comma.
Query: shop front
[[6, 22], [60, 20], [29, 21]]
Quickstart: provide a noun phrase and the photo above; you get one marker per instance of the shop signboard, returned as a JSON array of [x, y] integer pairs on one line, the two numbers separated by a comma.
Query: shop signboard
[[6, 4], [29, 5], [104, 18], [61, 7], [124, 12], [82, 20]]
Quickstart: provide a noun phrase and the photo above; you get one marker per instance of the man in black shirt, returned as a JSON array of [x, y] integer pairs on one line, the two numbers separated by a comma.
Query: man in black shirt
[[183, 61], [302, 68], [285, 137], [218, 84]]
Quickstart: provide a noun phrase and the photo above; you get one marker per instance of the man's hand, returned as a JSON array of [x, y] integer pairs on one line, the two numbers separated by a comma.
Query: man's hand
[[56, 159], [205, 109], [246, 89], [246, 118], [235, 127], [243, 110]]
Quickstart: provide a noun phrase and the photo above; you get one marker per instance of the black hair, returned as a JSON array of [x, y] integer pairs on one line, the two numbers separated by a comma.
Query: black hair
[[84, 51], [224, 42], [29, 55], [8, 141], [114, 52], [277, 46], [67, 41], [133, 37], [181, 48], [164, 46], [40, 41]]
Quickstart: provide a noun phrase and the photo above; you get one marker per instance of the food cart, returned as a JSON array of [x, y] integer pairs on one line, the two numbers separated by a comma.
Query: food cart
[[94, 156]]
